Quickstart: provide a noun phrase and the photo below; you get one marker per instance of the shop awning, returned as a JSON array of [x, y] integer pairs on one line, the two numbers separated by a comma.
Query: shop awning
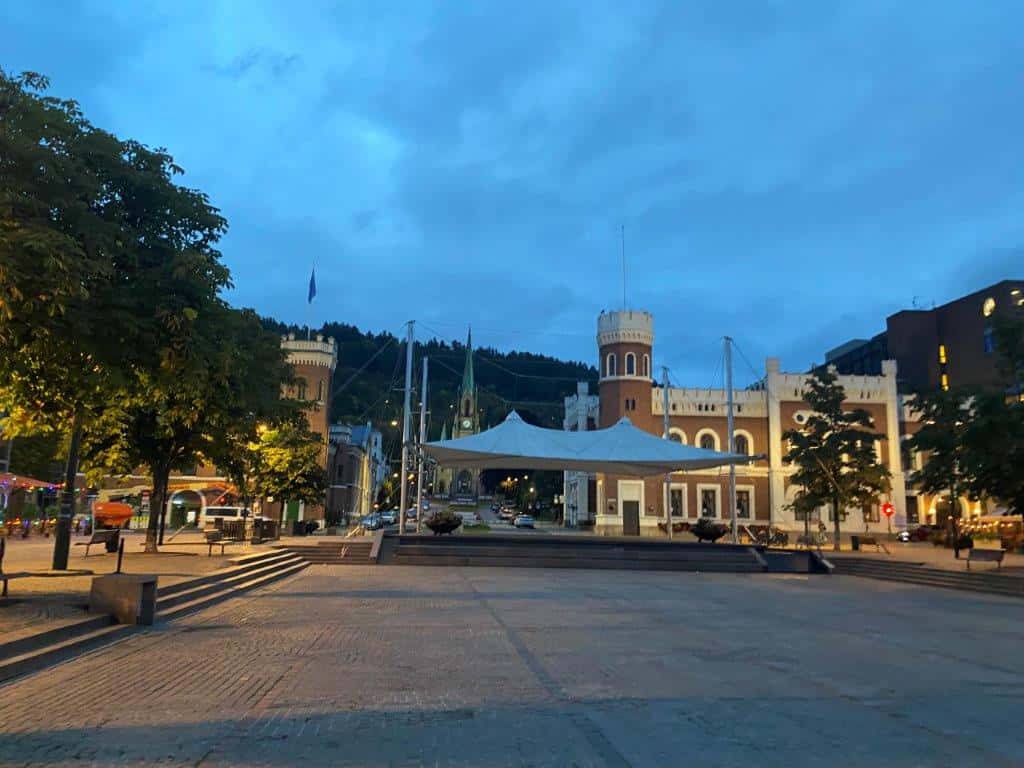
[[621, 449]]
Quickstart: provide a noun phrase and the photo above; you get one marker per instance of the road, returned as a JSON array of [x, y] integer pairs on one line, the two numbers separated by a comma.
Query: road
[[393, 666]]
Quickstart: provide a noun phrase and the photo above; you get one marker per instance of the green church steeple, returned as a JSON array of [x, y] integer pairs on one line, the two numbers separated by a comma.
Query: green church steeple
[[468, 381]]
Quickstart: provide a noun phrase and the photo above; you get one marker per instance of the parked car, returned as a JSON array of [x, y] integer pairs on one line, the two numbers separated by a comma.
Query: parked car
[[389, 516], [426, 505], [372, 522], [523, 521], [919, 533]]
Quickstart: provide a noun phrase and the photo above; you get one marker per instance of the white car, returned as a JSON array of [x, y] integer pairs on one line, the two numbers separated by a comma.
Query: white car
[[523, 521]]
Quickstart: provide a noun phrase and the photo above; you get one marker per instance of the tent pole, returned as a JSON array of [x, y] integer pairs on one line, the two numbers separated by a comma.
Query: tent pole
[[406, 418], [668, 475], [732, 440], [422, 455]]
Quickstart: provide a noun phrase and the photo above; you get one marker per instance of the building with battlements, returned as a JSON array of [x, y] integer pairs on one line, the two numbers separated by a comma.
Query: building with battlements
[[620, 505]]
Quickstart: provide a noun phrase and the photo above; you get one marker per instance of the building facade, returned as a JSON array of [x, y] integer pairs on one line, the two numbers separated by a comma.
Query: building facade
[[947, 346], [357, 470], [764, 488], [579, 490]]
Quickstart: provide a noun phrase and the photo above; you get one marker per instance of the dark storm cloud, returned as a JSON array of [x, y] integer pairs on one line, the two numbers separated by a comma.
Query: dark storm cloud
[[787, 173]]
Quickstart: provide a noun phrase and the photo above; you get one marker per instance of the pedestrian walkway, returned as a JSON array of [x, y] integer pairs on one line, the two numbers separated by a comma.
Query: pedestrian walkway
[[370, 666], [931, 556]]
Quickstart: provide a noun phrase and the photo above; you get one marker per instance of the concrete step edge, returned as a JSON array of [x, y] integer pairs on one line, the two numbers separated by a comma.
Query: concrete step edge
[[66, 631], [53, 653], [181, 596], [218, 597], [220, 575]]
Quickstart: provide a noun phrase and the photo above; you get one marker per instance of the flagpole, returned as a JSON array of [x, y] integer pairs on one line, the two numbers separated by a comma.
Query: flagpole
[[309, 302]]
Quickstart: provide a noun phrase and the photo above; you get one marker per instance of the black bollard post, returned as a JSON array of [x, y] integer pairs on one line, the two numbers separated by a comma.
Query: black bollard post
[[120, 555]]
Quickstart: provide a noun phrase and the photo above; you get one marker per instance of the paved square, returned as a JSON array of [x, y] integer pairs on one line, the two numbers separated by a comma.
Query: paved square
[[392, 666]]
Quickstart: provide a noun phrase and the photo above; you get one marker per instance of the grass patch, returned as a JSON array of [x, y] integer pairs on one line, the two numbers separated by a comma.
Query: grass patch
[[477, 528]]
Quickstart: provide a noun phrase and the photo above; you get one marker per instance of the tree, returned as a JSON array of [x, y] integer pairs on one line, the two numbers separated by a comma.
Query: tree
[[834, 453], [993, 451], [946, 417], [106, 265]]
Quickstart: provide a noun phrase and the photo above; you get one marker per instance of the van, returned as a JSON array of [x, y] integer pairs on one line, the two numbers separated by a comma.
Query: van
[[227, 513]]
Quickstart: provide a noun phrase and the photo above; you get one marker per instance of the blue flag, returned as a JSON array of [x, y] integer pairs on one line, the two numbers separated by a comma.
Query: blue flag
[[312, 286]]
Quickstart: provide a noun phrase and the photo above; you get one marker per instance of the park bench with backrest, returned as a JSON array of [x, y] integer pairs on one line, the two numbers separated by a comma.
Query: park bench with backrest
[[212, 538], [985, 555], [109, 537], [868, 541]]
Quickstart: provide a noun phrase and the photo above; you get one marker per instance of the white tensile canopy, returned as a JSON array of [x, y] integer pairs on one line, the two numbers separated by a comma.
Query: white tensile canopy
[[621, 449]]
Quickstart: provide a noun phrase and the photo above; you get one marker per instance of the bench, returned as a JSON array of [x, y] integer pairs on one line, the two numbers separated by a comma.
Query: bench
[[107, 537], [214, 538], [866, 541], [985, 555]]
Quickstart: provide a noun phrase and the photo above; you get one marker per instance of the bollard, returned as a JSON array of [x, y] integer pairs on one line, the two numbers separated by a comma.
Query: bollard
[[120, 555]]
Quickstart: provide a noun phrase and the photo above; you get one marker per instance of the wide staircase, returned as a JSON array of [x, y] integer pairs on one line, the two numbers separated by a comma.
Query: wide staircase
[[355, 551], [991, 582], [243, 574], [575, 552], [70, 636]]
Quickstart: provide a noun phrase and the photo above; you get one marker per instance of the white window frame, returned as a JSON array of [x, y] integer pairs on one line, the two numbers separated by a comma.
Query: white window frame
[[647, 366], [684, 510], [611, 367], [677, 431], [630, 357], [701, 487], [753, 503], [750, 440], [707, 431]]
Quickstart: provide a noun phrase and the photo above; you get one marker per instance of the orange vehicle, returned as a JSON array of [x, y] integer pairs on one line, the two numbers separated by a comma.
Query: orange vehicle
[[112, 513]]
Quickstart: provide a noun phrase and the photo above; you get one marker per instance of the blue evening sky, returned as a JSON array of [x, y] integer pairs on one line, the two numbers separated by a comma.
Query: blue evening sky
[[788, 173]]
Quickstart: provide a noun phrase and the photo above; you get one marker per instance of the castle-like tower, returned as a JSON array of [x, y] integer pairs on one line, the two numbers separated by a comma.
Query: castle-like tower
[[624, 341]]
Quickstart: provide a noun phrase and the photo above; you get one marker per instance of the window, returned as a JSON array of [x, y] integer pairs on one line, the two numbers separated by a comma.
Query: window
[[609, 365], [988, 307], [302, 390], [630, 404], [676, 434], [945, 382], [675, 496], [647, 366], [320, 391], [630, 364], [707, 440], [743, 505], [465, 407], [709, 502], [871, 513], [832, 515], [742, 446], [942, 353]]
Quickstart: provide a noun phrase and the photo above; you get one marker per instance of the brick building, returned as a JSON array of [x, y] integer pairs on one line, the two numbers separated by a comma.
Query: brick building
[[634, 506], [947, 346]]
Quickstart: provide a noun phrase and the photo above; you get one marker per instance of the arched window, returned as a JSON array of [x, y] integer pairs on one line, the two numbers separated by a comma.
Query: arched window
[[647, 366], [320, 391], [609, 366], [707, 439], [742, 446], [302, 390], [630, 364], [676, 434], [465, 407]]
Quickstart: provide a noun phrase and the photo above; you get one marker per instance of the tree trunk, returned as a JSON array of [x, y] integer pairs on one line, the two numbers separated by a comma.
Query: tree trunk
[[156, 508], [836, 517], [62, 536]]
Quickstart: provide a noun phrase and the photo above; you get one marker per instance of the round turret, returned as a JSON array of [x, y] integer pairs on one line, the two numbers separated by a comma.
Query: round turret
[[624, 341]]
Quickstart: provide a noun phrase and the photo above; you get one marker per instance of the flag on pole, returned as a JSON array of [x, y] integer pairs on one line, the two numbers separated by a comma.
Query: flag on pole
[[312, 286]]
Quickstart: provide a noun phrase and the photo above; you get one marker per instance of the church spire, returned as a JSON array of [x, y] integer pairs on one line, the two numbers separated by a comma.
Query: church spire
[[468, 382]]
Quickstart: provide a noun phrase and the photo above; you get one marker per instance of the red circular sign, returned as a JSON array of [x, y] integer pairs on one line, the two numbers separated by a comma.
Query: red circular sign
[[888, 509]]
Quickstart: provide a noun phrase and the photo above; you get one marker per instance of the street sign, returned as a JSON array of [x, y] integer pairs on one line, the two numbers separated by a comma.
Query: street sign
[[888, 509]]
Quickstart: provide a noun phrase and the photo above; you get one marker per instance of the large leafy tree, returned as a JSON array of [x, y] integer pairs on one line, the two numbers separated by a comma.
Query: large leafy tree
[[105, 267], [993, 450], [834, 453], [189, 414], [288, 463], [946, 417]]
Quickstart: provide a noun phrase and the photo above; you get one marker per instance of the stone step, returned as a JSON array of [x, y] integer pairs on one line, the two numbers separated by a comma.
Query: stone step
[[65, 631], [44, 655], [725, 565], [245, 565], [207, 586], [213, 598], [992, 583]]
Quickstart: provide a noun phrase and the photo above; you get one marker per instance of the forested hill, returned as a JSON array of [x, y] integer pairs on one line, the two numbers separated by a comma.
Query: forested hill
[[534, 385]]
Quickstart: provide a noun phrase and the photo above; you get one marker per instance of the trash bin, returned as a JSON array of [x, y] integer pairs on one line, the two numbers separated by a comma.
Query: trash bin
[[298, 528], [113, 541], [855, 543]]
